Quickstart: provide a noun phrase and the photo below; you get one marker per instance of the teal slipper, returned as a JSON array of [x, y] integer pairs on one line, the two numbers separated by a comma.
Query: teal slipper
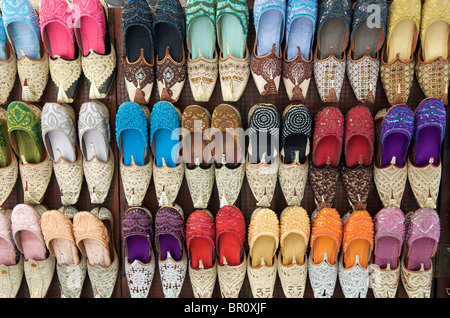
[[201, 28]]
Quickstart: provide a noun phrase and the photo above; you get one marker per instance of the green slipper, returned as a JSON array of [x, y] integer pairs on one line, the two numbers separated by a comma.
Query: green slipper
[[201, 28]]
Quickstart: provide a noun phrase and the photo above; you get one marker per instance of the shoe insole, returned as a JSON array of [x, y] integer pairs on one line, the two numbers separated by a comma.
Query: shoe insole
[[263, 249], [201, 250], [232, 36], [164, 148], [137, 38], [358, 247], [59, 141], [166, 36], [229, 247], [94, 139], [269, 33], [65, 251], [262, 146], [91, 35], [300, 35], [169, 243], [327, 152], [132, 145], [58, 39], [201, 34], [401, 41], [395, 145], [32, 246], [387, 251], [436, 41], [96, 253], [295, 144], [27, 147], [138, 249], [420, 252], [197, 149], [7, 254], [358, 151], [3, 150], [427, 145], [322, 245], [23, 37], [332, 35], [293, 246], [365, 38]]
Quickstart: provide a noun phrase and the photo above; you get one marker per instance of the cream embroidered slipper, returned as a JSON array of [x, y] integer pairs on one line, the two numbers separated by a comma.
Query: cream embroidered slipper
[[8, 71], [9, 168]]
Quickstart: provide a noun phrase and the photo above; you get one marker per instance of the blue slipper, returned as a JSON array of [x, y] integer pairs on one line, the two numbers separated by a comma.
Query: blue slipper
[[164, 120], [22, 27], [3, 54], [132, 133]]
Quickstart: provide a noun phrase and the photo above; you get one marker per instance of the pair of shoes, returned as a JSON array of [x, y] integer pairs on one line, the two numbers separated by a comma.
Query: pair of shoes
[[221, 158], [9, 167], [227, 23], [216, 247], [146, 34], [354, 233], [8, 65], [265, 235], [273, 19], [331, 131], [35, 166], [397, 130], [139, 258], [22, 233], [75, 36], [21, 24]]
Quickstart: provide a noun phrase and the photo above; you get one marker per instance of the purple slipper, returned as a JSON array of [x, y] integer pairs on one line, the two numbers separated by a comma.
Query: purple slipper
[[422, 237], [137, 234], [396, 133], [389, 235], [170, 232], [430, 119]]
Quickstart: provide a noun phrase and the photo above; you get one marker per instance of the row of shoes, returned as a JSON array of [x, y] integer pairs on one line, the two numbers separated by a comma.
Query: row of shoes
[[78, 244], [63, 39], [38, 141]]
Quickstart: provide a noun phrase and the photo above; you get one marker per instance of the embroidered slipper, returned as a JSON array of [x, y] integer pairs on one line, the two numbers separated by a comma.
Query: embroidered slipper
[[421, 241], [199, 169], [397, 57], [98, 158], [27, 235], [333, 31], [8, 65], [295, 147], [359, 138], [229, 157], [9, 170], [230, 238], [263, 240], [139, 73], [170, 236], [201, 249], [234, 59], [169, 31], [424, 162], [292, 258], [357, 245], [389, 224], [326, 238], [139, 258], [366, 41], [11, 261]]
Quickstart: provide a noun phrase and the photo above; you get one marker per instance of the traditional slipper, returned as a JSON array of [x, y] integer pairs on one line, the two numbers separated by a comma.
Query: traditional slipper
[[357, 245], [296, 130], [9, 169], [11, 261], [230, 239], [27, 235], [326, 238], [170, 236], [421, 241], [389, 225], [139, 258], [8, 65], [93, 233], [263, 240], [292, 258]]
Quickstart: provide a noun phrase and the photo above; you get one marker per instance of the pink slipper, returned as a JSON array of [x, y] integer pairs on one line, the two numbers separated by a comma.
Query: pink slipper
[[8, 252], [55, 19], [90, 25]]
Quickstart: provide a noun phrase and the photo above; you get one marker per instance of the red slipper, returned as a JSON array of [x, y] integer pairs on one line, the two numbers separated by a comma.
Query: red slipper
[[230, 235], [200, 239], [359, 137]]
